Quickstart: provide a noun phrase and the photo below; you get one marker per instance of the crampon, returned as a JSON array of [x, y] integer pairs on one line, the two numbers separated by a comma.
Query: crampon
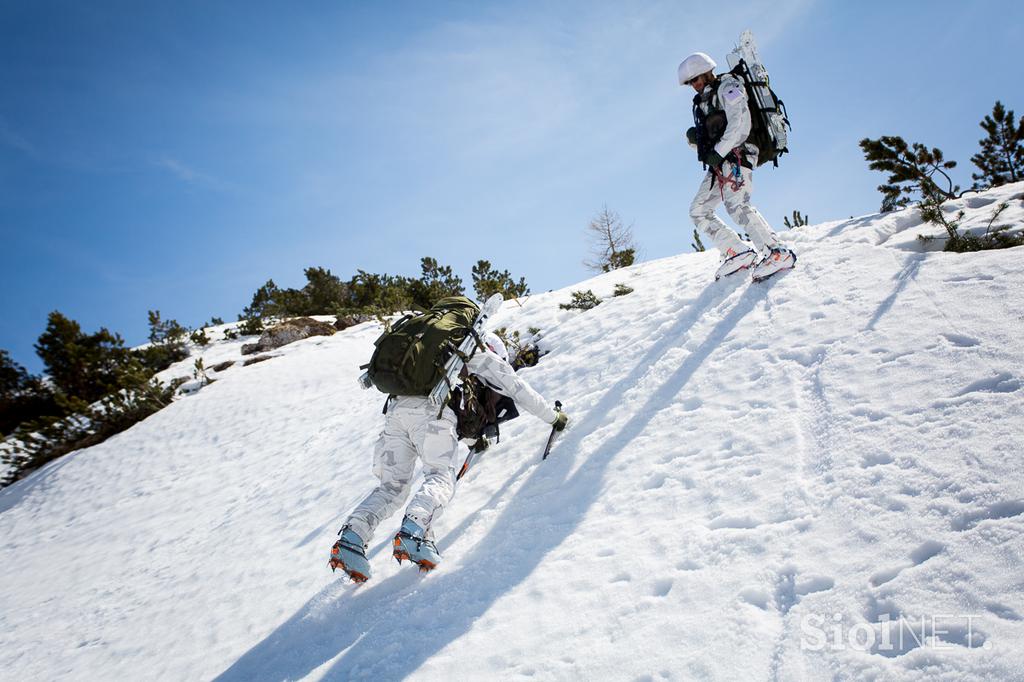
[[349, 554], [410, 545]]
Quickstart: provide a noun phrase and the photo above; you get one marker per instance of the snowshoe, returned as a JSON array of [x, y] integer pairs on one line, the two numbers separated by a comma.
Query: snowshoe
[[779, 258], [734, 262], [411, 544], [349, 554]]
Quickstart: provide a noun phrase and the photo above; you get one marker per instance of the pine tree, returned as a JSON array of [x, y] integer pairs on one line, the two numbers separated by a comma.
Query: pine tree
[[1001, 159], [84, 366], [375, 294], [326, 294], [912, 170], [99, 388], [167, 343], [81, 424], [581, 300], [799, 220], [613, 245], [262, 304], [22, 395], [164, 331], [487, 281], [436, 282]]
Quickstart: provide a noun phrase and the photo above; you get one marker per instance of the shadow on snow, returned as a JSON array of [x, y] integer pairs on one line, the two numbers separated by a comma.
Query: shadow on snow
[[390, 629]]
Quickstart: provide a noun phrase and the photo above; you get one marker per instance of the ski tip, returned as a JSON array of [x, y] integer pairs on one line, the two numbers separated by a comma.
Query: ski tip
[[492, 305]]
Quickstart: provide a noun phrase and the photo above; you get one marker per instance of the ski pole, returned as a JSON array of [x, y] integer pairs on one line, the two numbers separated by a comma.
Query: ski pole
[[551, 438]]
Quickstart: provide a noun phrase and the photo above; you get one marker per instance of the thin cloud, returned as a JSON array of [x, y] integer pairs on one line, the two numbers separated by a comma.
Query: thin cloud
[[190, 175], [10, 138]]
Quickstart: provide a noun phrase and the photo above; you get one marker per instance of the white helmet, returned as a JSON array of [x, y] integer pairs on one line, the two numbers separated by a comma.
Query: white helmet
[[494, 342], [694, 65]]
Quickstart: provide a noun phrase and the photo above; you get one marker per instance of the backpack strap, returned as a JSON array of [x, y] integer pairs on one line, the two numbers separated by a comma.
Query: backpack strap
[[700, 120], [479, 345]]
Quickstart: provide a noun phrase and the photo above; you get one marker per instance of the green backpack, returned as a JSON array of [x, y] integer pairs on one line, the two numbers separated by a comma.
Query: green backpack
[[409, 357]]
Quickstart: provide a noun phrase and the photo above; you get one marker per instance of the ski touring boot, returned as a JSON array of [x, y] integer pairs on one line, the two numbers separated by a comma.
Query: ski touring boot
[[349, 554], [734, 262], [411, 543], [779, 258]]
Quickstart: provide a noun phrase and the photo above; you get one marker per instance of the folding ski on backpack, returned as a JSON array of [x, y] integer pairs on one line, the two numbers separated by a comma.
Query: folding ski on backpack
[[768, 117]]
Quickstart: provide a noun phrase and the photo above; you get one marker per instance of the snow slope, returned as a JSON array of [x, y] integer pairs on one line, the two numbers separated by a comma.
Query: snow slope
[[760, 482]]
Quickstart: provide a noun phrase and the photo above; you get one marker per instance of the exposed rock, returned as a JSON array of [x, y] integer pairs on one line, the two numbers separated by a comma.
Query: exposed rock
[[258, 358], [287, 332], [223, 366], [346, 321]]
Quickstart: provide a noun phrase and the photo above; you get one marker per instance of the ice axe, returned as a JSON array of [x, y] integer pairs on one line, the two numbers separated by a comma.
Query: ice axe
[[551, 438]]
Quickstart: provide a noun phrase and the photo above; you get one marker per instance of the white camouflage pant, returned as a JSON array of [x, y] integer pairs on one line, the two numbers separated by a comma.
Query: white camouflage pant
[[737, 203], [411, 429]]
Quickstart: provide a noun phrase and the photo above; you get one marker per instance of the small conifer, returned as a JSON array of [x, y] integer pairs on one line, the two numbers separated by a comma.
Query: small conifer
[[1001, 159], [488, 281]]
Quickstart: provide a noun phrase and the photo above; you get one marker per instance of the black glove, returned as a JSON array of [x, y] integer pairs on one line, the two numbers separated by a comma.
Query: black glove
[[560, 421], [713, 159], [691, 136], [480, 445]]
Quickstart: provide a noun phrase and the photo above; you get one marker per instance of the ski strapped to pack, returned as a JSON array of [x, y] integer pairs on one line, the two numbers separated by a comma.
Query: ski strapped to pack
[[457, 360], [765, 105], [769, 119]]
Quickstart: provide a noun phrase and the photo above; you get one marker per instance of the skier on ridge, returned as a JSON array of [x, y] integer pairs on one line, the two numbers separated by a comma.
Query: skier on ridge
[[722, 113], [413, 429]]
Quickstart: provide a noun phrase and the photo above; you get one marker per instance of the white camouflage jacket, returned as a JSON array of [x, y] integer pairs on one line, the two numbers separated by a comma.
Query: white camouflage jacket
[[731, 98], [500, 376]]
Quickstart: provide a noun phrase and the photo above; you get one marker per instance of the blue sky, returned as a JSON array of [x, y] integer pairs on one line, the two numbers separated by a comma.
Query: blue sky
[[176, 155]]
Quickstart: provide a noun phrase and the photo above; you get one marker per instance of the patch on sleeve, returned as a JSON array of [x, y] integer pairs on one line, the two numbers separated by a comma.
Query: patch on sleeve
[[731, 93]]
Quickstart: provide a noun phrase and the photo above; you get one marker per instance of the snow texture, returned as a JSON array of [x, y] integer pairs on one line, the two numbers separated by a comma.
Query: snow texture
[[817, 477]]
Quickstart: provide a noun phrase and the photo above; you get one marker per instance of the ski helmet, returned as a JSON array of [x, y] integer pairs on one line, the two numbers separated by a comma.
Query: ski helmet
[[494, 342], [694, 65]]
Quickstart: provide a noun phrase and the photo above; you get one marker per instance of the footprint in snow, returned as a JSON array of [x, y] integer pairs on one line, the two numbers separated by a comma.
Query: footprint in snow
[[733, 522], [979, 201], [654, 482], [874, 459], [923, 553], [661, 588], [789, 587], [1000, 510], [961, 341], [1002, 382], [1003, 611]]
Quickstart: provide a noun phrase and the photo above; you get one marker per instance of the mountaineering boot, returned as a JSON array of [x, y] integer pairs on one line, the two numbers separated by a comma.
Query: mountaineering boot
[[411, 543], [734, 262], [779, 258], [349, 554]]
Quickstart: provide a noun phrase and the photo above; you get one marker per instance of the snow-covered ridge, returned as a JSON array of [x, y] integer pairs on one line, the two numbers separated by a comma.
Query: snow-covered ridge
[[758, 480]]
